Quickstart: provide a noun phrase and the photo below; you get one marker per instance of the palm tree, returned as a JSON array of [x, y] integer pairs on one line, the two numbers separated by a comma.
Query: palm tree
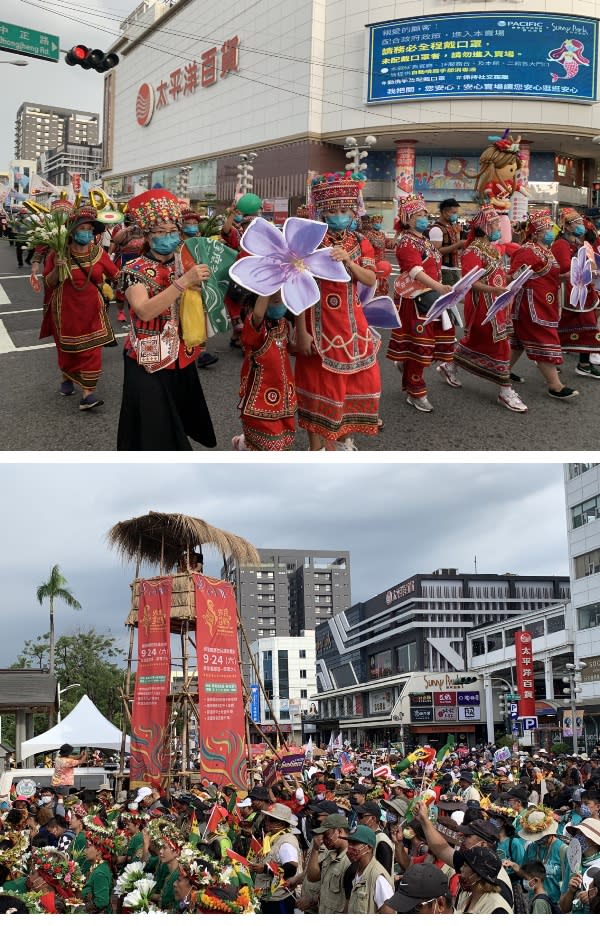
[[55, 587]]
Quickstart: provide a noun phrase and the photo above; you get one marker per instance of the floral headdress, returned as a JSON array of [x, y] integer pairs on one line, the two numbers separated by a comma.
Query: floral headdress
[[538, 822], [61, 205], [81, 216], [61, 873], [15, 858], [538, 220], [165, 831], [189, 215], [303, 212], [506, 142], [568, 215], [100, 836], [137, 816], [484, 219], [410, 204], [336, 190], [153, 207]]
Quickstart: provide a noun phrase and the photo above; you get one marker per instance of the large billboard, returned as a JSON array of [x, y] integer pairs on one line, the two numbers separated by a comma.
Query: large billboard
[[484, 55]]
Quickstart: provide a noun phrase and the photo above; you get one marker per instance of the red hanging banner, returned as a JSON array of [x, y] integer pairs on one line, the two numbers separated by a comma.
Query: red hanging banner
[[150, 712], [525, 674], [223, 750]]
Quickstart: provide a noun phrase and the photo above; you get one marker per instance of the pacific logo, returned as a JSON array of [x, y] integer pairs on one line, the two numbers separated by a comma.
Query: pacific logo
[[144, 105]]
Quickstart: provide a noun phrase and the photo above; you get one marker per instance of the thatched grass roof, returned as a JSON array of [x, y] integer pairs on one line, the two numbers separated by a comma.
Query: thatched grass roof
[[156, 537]]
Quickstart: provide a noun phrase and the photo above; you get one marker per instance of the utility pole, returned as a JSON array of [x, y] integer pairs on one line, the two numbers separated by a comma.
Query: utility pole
[[572, 680]]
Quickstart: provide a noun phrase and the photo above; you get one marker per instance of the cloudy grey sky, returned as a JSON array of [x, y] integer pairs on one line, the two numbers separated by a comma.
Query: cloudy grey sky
[[396, 520], [88, 22]]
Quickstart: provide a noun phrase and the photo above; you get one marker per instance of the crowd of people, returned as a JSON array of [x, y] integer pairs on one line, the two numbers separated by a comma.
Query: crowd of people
[[318, 371], [483, 831]]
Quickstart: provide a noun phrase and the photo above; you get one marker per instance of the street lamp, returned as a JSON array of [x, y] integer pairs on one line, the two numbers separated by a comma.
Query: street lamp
[[245, 176], [573, 677], [61, 691], [17, 64], [355, 153], [504, 700]]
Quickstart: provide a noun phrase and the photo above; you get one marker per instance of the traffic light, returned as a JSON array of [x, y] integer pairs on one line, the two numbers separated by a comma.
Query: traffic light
[[504, 704], [91, 59], [468, 679]]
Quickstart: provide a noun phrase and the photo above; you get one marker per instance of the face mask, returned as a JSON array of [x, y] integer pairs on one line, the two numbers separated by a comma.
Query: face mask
[[495, 235], [453, 219], [422, 224], [338, 222], [83, 237], [190, 229], [353, 225], [579, 230], [238, 218], [165, 244], [548, 238], [45, 799], [276, 311], [377, 226], [584, 812]]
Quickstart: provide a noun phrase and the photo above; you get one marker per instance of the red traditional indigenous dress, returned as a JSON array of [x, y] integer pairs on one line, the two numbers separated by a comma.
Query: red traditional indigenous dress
[[536, 308], [415, 345], [377, 240], [78, 318], [578, 331], [338, 388], [161, 408], [267, 393], [484, 349]]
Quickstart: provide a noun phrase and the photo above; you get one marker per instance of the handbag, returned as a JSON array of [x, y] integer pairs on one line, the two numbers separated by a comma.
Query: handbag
[[193, 318], [424, 301]]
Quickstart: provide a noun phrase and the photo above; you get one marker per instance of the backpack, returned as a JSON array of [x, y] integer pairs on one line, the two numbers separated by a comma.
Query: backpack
[[554, 908]]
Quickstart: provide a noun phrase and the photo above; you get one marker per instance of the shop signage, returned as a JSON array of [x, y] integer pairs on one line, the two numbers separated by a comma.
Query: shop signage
[[469, 697], [445, 698], [184, 81], [381, 702], [484, 55], [421, 715], [395, 594], [469, 713], [591, 673], [255, 703], [525, 675], [423, 698], [446, 714], [568, 723]]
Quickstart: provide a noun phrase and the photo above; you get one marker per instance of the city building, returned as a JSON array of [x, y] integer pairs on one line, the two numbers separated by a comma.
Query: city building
[[419, 88], [44, 128], [58, 164], [291, 591], [376, 658], [284, 670]]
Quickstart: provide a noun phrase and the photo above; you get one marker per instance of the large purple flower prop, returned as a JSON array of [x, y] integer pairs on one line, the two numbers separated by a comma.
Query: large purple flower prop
[[457, 294], [504, 299], [581, 277], [380, 311], [287, 260]]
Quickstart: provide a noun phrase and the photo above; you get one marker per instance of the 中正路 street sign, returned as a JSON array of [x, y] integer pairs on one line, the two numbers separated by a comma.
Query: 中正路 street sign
[[29, 42]]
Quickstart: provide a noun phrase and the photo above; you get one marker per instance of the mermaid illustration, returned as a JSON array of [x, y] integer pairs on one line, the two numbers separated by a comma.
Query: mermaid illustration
[[570, 55]]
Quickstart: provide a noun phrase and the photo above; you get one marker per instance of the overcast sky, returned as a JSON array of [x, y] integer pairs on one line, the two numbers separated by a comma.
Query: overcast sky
[[87, 22], [394, 519]]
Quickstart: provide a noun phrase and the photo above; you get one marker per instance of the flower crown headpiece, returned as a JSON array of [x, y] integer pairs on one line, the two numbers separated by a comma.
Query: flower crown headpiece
[[15, 858], [505, 142], [64, 874]]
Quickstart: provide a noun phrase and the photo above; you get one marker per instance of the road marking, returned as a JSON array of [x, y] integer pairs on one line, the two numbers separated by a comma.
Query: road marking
[[20, 311], [4, 300], [6, 343], [15, 276]]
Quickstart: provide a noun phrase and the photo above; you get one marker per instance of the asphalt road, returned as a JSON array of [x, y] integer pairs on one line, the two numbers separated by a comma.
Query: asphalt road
[[36, 417]]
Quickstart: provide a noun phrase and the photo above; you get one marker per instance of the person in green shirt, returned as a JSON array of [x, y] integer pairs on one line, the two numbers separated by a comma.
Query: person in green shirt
[[134, 824], [99, 882], [169, 856]]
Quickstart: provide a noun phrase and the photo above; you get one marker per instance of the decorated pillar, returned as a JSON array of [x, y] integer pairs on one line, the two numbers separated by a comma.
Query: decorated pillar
[[519, 201], [405, 167]]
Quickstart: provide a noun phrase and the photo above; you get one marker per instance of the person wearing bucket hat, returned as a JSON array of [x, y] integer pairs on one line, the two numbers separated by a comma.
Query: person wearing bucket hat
[[372, 885], [538, 829], [468, 790], [422, 889], [162, 403], [479, 884], [338, 381], [76, 315], [280, 849], [574, 896], [326, 863]]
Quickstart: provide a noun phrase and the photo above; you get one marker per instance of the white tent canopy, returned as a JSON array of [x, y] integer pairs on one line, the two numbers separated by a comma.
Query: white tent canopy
[[84, 726]]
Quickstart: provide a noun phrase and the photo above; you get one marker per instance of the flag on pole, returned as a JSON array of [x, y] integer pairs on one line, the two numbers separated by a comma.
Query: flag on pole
[[445, 751], [309, 748], [337, 743], [231, 808], [39, 185], [256, 846], [330, 746], [194, 829], [277, 872], [236, 857], [217, 815]]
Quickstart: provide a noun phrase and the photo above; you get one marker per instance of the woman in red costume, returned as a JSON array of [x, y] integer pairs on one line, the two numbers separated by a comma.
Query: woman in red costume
[[484, 349], [162, 403], [267, 393], [371, 228], [338, 382], [416, 346], [578, 329], [79, 320], [536, 308]]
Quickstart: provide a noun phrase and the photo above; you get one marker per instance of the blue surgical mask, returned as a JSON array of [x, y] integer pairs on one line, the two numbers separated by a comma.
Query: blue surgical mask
[[453, 219], [584, 812], [548, 238], [377, 226], [190, 229], [238, 218], [276, 310], [579, 230], [338, 222], [165, 244], [422, 223], [83, 237], [495, 235], [353, 225]]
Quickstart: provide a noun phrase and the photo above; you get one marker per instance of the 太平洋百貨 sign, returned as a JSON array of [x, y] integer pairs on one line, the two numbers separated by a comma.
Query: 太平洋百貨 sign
[[481, 54]]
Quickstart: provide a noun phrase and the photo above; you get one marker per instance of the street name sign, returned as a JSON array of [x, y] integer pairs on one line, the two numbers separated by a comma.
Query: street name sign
[[29, 42]]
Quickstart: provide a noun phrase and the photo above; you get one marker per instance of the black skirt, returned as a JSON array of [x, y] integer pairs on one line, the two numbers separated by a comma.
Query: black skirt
[[159, 411]]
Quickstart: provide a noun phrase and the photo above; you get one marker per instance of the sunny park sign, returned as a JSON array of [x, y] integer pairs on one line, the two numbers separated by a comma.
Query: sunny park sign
[[185, 81]]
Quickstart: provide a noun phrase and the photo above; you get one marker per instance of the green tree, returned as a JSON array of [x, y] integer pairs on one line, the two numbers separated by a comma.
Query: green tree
[[55, 588]]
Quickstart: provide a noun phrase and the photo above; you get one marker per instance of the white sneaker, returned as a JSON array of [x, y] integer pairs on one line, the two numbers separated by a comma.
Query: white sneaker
[[421, 403], [399, 366], [347, 444], [448, 373], [595, 359], [511, 400], [238, 442]]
